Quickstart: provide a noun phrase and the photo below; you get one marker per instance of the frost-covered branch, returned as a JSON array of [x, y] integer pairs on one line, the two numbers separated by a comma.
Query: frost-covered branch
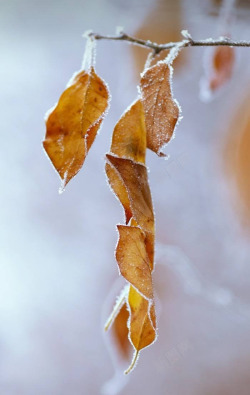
[[186, 42]]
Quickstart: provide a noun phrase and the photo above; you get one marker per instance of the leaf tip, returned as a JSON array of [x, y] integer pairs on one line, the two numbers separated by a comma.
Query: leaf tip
[[64, 182]]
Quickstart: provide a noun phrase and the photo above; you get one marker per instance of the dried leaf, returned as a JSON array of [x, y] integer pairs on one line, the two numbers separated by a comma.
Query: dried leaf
[[135, 180], [223, 62], [73, 124], [119, 189], [128, 141], [219, 64], [127, 175], [133, 261], [161, 110], [129, 136]]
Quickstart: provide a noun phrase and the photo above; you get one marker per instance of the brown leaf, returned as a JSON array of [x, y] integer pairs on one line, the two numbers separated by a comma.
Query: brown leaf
[[128, 141], [161, 110], [127, 175], [119, 189], [222, 66], [133, 260], [73, 124], [218, 64], [135, 180]]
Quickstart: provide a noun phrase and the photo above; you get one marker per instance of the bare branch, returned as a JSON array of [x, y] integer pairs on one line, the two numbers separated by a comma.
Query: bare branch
[[187, 42]]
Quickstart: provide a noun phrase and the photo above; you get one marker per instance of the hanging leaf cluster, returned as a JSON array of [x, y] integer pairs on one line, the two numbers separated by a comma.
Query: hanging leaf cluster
[[149, 123]]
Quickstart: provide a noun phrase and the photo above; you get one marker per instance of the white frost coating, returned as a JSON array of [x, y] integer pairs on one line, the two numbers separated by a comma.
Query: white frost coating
[[176, 102], [72, 79], [209, 40], [186, 34], [64, 180], [62, 187], [49, 111], [148, 62], [88, 57], [119, 30], [87, 33], [180, 117], [134, 362], [89, 54], [174, 52]]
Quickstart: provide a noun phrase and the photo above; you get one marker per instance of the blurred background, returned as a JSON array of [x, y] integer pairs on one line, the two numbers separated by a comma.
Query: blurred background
[[57, 265]]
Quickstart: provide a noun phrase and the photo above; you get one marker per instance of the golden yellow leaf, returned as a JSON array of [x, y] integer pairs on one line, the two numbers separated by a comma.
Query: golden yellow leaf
[[142, 320], [133, 260], [161, 110], [129, 136], [73, 124]]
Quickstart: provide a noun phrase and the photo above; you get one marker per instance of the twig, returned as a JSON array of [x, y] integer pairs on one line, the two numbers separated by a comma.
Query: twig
[[187, 42]]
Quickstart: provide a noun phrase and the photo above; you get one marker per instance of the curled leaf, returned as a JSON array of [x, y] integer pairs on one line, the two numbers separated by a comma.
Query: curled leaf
[[142, 320], [161, 110], [128, 141], [73, 123], [135, 180], [133, 261], [127, 175], [117, 184]]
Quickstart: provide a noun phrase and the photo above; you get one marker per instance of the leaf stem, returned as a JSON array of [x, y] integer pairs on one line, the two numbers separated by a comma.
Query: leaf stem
[[132, 365]]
